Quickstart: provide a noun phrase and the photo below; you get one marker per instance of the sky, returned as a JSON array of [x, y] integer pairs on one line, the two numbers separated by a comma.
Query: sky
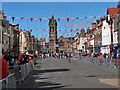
[[59, 0], [59, 10]]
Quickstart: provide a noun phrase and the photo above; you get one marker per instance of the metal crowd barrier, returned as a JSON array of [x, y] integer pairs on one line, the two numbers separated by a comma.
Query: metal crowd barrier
[[104, 61], [8, 82], [17, 76]]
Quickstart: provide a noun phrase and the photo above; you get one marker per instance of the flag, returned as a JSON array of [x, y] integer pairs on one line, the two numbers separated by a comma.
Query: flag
[[4, 17], [27, 19], [67, 19], [31, 19], [21, 17], [13, 18], [58, 19], [40, 19], [77, 17]]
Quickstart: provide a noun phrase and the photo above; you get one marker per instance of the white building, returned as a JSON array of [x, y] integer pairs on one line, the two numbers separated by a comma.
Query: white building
[[22, 42], [81, 45], [106, 38]]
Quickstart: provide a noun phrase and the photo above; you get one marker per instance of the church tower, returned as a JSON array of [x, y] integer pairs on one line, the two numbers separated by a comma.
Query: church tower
[[52, 35]]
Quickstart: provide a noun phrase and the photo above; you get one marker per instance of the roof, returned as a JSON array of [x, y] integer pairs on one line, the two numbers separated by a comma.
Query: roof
[[112, 12]]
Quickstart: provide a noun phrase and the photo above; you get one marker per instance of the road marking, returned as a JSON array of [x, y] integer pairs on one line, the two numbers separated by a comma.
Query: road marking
[[113, 82]]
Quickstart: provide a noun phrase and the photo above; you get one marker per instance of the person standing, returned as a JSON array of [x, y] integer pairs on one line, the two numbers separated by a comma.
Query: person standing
[[86, 57], [69, 57]]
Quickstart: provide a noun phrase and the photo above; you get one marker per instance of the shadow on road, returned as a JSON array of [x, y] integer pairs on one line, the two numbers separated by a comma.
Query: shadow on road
[[31, 82], [49, 70]]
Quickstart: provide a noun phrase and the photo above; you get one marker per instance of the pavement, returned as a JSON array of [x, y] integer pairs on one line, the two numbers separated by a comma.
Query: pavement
[[58, 73]]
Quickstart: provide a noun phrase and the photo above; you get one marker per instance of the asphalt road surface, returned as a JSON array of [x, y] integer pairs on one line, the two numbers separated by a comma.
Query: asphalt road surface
[[58, 73]]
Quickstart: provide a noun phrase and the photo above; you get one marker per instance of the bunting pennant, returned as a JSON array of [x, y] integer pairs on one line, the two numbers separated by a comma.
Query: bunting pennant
[[45, 19], [31, 30], [17, 17], [13, 18], [49, 19], [77, 30], [81, 18], [35, 19], [94, 16], [104, 16], [77, 17], [82, 30], [9, 17], [85, 17], [72, 19], [31, 19], [27, 19], [4, 17], [58, 19], [40, 19], [67, 19], [21, 17]]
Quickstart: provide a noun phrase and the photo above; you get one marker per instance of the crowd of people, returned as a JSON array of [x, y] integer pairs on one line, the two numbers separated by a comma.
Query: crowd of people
[[9, 61]]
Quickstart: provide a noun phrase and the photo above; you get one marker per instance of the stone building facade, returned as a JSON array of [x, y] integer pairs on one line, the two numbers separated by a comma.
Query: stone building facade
[[52, 35]]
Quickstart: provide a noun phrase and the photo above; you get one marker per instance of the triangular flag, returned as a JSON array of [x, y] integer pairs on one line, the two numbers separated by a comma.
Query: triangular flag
[[45, 19], [13, 18], [17, 17], [40, 19], [77, 30], [4, 17], [58, 19], [27, 19], [94, 16], [72, 19], [81, 18], [67, 19], [31, 19], [85, 17], [35, 19], [21, 17], [9, 17], [77, 17]]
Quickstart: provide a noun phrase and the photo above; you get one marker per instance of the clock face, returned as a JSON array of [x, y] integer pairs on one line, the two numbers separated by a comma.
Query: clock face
[[52, 30]]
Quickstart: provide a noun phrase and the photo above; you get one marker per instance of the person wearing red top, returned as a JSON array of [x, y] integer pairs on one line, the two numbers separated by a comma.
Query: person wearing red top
[[4, 68], [31, 58]]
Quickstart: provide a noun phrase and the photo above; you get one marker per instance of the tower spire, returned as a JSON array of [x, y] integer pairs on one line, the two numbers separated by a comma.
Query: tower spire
[[52, 14]]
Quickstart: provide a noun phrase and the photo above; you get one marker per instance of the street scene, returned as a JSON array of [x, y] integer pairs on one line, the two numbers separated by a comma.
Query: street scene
[[59, 45]]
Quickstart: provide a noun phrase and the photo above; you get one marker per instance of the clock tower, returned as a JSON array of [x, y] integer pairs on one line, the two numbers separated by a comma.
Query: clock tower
[[52, 35]]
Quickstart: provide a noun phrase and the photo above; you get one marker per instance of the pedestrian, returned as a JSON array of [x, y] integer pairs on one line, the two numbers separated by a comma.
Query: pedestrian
[[86, 57], [69, 57], [92, 58], [100, 58], [118, 60]]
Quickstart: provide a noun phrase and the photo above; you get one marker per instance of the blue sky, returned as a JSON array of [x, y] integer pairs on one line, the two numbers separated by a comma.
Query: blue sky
[[59, 9], [60, 0]]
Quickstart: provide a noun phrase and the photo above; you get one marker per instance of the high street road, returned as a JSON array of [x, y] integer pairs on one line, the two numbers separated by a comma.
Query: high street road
[[58, 73]]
